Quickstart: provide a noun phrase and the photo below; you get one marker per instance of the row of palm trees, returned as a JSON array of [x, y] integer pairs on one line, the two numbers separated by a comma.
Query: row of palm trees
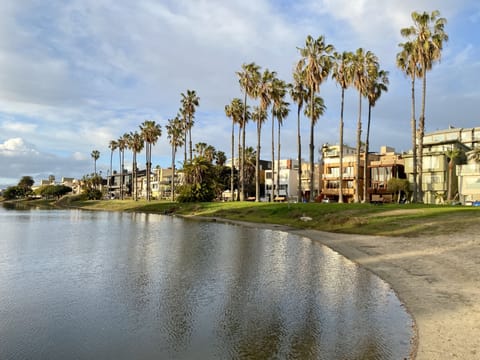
[[178, 132], [318, 62], [360, 70]]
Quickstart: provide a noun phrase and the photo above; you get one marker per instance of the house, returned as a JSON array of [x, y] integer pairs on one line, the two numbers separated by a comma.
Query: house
[[469, 178], [388, 165]]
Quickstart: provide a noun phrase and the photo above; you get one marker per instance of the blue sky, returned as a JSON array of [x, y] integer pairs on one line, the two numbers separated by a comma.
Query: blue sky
[[76, 74]]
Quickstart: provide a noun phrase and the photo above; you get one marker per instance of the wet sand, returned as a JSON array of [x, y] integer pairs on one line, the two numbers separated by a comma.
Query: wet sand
[[437, 278]]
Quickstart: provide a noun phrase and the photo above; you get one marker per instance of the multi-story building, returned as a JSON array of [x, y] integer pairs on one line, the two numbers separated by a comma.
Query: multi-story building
[[469, 178], [387, 165], [331, 172], [437, 178]]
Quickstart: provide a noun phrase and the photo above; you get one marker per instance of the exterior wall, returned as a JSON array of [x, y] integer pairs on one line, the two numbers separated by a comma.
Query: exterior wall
[[469, 182]]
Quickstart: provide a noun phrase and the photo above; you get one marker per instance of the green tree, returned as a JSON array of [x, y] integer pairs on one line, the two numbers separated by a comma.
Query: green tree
[[95, 156], [25, 185], [377, 81], [122, 145], [299, 94], [343, 75], [248, 79], [113, 145], [428, 35], [318, 109], [135, 144], [190, 102], [316, 63], [150, 132], [407, 61], [235, 112], [174, 134], [397, 186], [259, 116]]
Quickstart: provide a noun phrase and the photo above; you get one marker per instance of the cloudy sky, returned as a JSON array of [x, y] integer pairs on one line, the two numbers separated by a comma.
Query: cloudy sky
[[76, 74]]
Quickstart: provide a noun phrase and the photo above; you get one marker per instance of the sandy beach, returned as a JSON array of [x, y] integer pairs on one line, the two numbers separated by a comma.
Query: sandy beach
[[437, 278]]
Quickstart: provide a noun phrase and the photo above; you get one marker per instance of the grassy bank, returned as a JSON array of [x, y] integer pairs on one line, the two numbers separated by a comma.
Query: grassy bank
[[392, 219]]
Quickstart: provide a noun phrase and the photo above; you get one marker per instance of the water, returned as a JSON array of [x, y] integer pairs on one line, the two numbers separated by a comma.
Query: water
[[98, 285]]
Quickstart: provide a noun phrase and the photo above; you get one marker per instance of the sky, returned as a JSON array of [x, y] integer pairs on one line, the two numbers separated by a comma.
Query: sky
[[76, 74]]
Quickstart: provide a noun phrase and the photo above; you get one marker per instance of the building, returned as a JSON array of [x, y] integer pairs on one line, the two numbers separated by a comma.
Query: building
[[469, 178], [386, 166]]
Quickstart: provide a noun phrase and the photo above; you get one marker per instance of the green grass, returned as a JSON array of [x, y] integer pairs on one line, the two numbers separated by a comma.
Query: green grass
[[394, 220]]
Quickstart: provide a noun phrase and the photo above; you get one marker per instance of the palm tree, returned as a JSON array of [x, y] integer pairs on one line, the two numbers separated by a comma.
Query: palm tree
[[248, 79], [174, 133], [259, 116], [95, 155], [313, 112], [407, 61], [235, 112], [134, 143], [360, 77], [150, 131], [377, 81], [189, 103], [122, 145], [316, 63], [267, 86], [299, 94], [428, 35], [342, 74], [277, 95], [281, 112], [453, 154], [112, 146]]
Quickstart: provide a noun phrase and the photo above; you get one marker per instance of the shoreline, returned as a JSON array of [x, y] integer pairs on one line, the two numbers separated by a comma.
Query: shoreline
[[436, 277]]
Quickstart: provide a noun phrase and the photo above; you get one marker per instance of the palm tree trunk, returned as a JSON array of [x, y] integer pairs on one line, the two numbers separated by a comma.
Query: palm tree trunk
[[134, 175], [421, 132], [273, 157], [312, 148], [232, 170], [278, 159], [185, 148], [239, 161], [120, 173], [111, 165], [242, 190], [257, 162], [190, 138], [172, 180], [340, 187], [413, 123], [357, 165], [299, 145], [365, 167]]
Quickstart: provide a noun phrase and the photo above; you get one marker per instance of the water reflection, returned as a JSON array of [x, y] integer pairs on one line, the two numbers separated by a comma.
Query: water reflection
[[79, 284]]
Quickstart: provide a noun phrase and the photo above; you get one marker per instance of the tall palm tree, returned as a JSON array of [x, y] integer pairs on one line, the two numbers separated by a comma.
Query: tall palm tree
[[95, 155], [360, 77], [150, 131], [342, 74], [299, 94], [190, 101], [135, 144], [235, 112], [248, 79], [377, 81], [174, 133], [267, 86], [428, 35], [313, 112], [316, 62], [281, 113], [277, 95], [122, 145], [407, 61], [453, 154], [259, 116], [113, 145]]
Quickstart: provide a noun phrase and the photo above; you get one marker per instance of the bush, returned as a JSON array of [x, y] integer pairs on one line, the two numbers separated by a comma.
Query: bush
[[195, 193], [92, 194]]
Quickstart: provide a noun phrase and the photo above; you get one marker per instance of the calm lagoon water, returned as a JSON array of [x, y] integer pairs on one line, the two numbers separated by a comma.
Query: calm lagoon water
[[99, 285]]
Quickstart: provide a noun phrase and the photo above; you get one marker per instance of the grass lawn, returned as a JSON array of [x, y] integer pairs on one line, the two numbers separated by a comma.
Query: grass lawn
[[392, 219]]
